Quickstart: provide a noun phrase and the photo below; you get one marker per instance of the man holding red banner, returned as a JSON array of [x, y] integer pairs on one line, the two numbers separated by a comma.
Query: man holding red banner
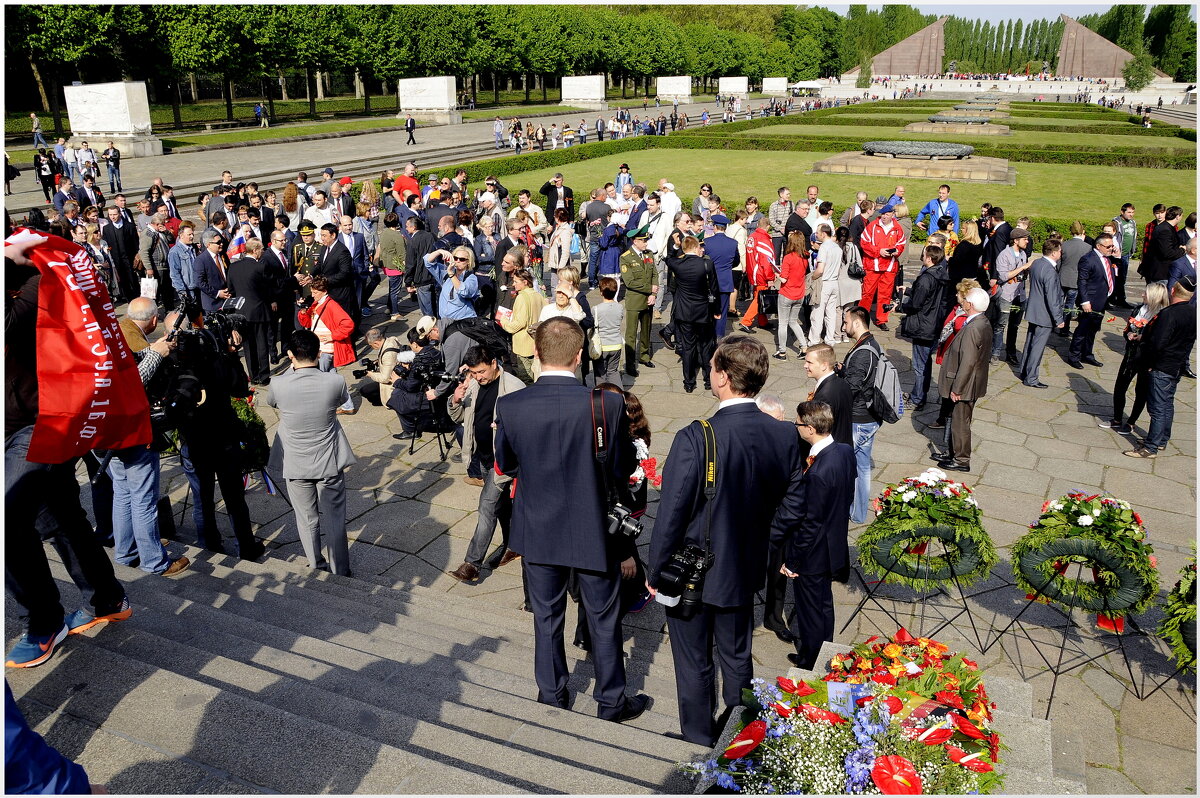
[[48, 301]]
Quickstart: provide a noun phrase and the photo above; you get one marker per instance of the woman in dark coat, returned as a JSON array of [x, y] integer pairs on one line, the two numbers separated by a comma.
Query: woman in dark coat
[[925, 306]]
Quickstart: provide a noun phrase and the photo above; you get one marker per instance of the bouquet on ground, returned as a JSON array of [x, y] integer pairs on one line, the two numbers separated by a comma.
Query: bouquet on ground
[[916, 511], [903, 716]]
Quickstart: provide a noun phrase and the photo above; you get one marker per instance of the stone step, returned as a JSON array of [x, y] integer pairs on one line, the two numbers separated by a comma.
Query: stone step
[[493, 661], [269, 749]]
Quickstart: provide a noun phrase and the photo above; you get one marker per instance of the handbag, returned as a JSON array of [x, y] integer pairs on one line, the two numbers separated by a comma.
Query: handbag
[[854, 266], [594, 351], [150, 287], [768, 301], [575, 244]]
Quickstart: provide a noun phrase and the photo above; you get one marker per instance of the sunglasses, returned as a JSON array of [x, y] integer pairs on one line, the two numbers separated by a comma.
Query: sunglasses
[[460, 259]]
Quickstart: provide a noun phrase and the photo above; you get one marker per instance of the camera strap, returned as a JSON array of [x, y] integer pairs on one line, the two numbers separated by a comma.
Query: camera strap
[[600, 447], [710, 480]]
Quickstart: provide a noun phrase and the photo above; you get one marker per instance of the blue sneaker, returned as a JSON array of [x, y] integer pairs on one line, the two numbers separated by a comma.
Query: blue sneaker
[[33, 650], [82, 620]]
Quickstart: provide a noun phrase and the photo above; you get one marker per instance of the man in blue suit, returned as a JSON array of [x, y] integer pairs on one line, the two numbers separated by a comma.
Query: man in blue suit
[[816, 552], [1097, 277], [209, 269], [758, 468], [1184, 267], [723, 251], [558, 517], [360, 259]]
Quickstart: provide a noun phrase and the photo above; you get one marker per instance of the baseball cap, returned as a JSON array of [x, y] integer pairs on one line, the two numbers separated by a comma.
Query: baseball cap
[[328, 170], [720, 219], [425, 324], [487, 196]]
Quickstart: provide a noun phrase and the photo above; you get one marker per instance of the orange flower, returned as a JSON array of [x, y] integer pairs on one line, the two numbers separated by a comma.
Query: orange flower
[[892, 650]]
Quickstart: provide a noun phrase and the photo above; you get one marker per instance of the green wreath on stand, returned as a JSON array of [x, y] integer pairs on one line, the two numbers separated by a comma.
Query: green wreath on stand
[[252, 437], [915, 512], [1178, 628], [1101, 532]]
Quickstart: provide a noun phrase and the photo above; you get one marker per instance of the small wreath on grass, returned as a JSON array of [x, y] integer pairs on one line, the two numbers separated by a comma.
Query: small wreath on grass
[[1178, 628], [1101, 532], [911, 514]]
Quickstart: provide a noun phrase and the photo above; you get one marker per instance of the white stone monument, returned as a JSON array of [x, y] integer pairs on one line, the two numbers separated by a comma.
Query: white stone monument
[[734, 87], [433, 99], [675, 89], [775, 87], [584, 91], [118, 112]]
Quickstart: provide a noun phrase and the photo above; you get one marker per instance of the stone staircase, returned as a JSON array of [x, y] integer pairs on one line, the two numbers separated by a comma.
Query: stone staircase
[[272, 678], [1028, 764]]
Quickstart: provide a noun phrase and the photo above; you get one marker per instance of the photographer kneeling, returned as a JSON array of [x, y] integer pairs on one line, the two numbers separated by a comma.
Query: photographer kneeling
[[414, 383], [379, 374]]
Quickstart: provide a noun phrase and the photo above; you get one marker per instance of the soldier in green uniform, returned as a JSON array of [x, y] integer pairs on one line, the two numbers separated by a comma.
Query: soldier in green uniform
[[305, 253], [640, 278]]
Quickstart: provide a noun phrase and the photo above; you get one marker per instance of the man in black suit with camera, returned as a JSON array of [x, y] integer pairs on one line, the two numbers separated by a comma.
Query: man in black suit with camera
[[815, 549], [559, 517], [757, 472]]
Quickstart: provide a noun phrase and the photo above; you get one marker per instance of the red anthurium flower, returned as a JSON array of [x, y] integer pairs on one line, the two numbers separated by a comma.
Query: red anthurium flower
[[936, 736], [816, 714], [862, 702], [884, 678], [783, 710], [893, 704], [969, 761], [966, 727], [949, 699], [970, 664], [871, 639], [993, 742], [803, 689], [749, 739], [903, 637], [895, 775], [786, 685]]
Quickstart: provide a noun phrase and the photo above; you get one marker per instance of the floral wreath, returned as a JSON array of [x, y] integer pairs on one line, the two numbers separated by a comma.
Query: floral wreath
[[1098, 530], [911, 513], [1178, 628]]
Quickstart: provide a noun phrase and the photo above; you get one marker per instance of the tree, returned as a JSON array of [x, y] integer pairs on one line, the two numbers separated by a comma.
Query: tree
[[1138, 71], [864, 74], [1171, 41]]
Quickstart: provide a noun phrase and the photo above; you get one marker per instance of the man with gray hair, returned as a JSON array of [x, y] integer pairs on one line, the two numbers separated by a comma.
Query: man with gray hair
[[964, 377], [155, 253], [852, 210], [770, 404]]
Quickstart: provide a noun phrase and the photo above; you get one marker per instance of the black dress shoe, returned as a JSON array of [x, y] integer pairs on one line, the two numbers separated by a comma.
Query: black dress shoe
[[1187, 372], [937, 456], [1012, 359], [938, 424], [950, 465], [707, 385], [745, 329], [1037, 385], [689, 389], [251, 551], [1091, 361], [882, 327], [783, 634], [646, 364], [1075, 364], [631, 370], [634, 707], [667, 338], [794, 658]]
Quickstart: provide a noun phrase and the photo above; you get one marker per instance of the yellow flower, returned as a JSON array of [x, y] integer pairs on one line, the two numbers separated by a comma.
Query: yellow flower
[[892, 650]]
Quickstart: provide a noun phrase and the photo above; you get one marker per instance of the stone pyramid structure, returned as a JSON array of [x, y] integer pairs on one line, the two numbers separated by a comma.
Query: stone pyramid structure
[[1086, 53], [919, 54]]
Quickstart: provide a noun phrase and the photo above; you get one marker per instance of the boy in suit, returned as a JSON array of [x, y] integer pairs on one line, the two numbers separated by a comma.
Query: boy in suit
[[816, 551]]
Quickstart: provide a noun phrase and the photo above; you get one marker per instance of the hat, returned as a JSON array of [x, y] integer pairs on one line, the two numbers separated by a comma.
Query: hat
[[328, 170], [433, 177], [1017, 233], [624, 166], [669, 186], [1188, 282], [641, 232], [881, 200], [425, 324], [347, 180], [306, 227], [720, 219], [487, 196]]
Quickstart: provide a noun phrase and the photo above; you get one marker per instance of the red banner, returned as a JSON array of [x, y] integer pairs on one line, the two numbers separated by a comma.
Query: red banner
[[89, 393]]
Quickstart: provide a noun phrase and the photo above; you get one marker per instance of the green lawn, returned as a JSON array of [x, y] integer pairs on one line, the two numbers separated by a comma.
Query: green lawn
[[1046, 190], [1167, 143]]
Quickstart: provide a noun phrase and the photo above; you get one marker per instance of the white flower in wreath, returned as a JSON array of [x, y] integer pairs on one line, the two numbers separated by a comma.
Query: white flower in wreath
[[971, 501], [1096, 513], [1056, 506], [1085, 520], [908, 495]]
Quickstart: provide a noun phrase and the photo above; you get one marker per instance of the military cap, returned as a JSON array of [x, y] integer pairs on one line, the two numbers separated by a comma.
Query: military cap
[[306, 227]]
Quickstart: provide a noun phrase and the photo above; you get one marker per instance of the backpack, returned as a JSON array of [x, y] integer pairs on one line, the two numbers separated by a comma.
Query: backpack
[[887, 400]]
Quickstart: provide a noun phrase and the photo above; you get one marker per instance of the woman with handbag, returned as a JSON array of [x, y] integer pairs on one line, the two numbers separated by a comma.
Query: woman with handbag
[[558, 249], [850, 279], [760, 271], [792, 289]]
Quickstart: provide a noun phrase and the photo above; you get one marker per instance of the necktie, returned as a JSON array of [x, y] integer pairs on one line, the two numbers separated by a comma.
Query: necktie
[[811, 394], [808, 461], [1108, 273]]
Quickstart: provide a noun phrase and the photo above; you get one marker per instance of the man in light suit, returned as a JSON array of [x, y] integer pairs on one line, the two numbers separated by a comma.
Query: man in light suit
[[312, 452], [1043, 310], [558, 481], [964, 377], [816, 553], [1097, 278], [752, 452]]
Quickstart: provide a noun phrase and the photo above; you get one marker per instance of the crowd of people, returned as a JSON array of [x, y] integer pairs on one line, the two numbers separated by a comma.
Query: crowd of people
[[537, 309]]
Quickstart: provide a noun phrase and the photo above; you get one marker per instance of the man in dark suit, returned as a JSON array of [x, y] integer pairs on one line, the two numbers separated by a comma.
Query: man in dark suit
[[410, 126], [276, 266], [88, 194], [997, 242], [340, 200], [66, 191], [558, 479], [694, 314], [122, 239], [335, 264], [1043, 310], [557, 195], [964, 377], [816, 551], [267, 215], [1164, 247], [249, 279], [1184, 266], [210, 270], [758, 458], [1097, 277], [356, 245]]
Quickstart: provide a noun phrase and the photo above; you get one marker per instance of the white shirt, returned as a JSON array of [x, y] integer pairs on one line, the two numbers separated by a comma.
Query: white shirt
[[557, 373], [737, 400], [820, 380], [820, 446]]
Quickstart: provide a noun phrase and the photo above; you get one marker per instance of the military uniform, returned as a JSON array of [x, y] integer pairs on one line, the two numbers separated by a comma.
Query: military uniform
[[639, 274], [305, 256]]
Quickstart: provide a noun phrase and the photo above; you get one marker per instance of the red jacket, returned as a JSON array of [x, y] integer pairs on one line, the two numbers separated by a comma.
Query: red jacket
[[875, 239], [760, 259], [795, 269], [340, 325]]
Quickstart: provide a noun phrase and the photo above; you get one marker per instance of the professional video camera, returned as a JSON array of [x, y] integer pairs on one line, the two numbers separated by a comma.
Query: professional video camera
[[681, 580], [432, 379]]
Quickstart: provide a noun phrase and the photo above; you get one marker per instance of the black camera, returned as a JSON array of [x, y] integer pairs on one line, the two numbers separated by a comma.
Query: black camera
[[434, 378], [621, 522], [304, 302], [681, 580], [360, 373]]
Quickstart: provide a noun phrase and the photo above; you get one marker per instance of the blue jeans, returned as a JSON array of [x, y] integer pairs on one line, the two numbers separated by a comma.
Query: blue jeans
[[1161, 404], [39, 140], [922, 354], [396, 292], [1069, 295], [425, 299], [498, 135], [114, 178], [193, 482], [134, 473], [864, 439], [593, 269]]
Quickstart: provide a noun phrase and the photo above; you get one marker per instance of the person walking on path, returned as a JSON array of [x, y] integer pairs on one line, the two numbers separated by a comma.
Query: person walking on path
[[410, 126], [38, 139]]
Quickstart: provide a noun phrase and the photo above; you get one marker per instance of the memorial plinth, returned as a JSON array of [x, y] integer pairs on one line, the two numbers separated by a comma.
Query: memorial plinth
[[432, 99], [920, 160], [118, 112], [585, 91], [965, 125], [964, 111], [674, 88], [734, 87], [775, 87]]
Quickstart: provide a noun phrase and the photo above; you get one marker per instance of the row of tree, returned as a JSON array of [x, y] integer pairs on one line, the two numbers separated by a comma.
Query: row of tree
[[1009, 46], [1167, 35]]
